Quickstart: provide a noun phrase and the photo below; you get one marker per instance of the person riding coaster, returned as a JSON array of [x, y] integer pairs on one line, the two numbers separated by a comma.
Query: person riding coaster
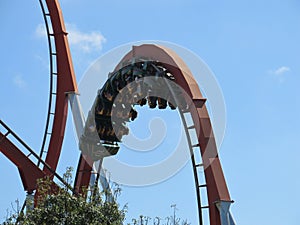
[[114, 105]]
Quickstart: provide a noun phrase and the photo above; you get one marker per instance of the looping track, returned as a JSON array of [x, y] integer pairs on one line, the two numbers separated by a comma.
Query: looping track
[[62, 78], [215, 185]]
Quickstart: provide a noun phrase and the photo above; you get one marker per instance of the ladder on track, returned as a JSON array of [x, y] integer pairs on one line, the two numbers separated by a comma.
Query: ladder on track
[[196, 159]]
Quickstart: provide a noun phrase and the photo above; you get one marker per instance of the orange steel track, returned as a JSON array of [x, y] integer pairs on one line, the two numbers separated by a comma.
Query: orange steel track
[[66, 84], [216, 186]]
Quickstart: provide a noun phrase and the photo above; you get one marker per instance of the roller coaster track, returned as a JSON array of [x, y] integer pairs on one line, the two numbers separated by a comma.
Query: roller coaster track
[[62, 77], [218, 198], [10, 145], [196, 159], [196, 167], [53, 76], [63, 85]]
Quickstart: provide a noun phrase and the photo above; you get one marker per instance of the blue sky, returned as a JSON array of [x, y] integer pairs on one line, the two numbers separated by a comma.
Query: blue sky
[[251, 46]]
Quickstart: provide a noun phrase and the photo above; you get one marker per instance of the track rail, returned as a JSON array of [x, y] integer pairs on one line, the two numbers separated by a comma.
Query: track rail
[[28, 170], [196, 165], [62, 77], [196, 160], [53, 74], [61, 67], [62, 83], [218, 196]]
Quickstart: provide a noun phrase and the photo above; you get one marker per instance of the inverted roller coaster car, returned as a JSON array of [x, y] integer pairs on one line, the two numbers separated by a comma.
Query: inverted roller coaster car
[[95, 149], [138, 83]]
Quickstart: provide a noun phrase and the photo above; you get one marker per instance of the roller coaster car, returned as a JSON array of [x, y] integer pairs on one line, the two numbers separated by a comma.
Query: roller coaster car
[[107, 132], [162, 103], [142, 102], [96, 150], [130, 76], [173, 107], [104, 105], [133, 114], [137, 72], [117, 81], [104, 128], [152, 101], [111, 148], [106, 94], [103, 140]]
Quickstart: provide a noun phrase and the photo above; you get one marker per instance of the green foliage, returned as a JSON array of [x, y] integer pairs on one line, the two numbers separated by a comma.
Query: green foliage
[[65, 208]]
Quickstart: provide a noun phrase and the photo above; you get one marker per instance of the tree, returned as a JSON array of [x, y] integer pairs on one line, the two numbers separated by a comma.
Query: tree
[[65, 208]]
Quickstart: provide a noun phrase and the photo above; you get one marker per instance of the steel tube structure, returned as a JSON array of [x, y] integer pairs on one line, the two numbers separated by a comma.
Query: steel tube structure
[[66, 88], [66, 83], [217, 190]]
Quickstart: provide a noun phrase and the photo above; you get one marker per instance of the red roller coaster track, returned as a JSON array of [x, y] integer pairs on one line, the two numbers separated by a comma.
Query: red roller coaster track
[[217, 192], [65, 85]]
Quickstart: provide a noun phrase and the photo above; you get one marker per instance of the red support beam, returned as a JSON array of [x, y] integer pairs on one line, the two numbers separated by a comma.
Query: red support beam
[[66, 83], [29, 172], [83, 174]]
